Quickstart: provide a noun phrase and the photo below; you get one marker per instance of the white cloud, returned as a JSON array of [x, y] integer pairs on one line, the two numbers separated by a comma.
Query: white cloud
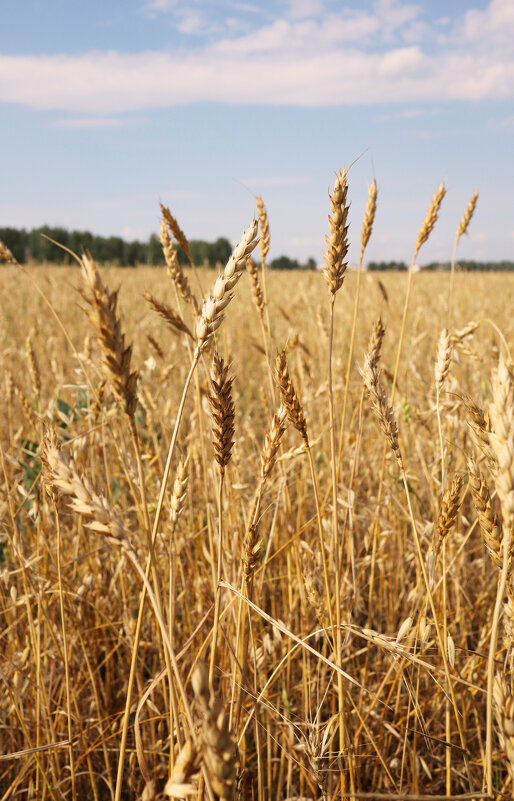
[[335, 59], [496, 21], [297, 9]]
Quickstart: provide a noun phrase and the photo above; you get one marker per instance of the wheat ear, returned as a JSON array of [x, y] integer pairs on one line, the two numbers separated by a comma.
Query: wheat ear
[[487, 518], [466, 217], [212, 310], [381, 407], [175, 270], [430, 218], [219, 752], [103, 313], [369, 217], [337, 240], [169, 315]]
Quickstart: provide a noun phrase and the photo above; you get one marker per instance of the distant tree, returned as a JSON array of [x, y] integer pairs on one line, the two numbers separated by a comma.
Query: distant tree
[[284, 263], [387, 265], [16, 239], [154, 251]]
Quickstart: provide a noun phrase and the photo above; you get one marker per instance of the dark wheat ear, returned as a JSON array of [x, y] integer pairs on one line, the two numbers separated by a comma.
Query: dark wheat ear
[[103, 313], [222, 407]]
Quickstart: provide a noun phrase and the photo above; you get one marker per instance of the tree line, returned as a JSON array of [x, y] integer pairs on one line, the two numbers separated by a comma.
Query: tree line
[[35, 246]]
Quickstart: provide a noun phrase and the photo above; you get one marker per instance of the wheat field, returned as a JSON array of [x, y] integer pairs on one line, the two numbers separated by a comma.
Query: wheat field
[[256, 528]]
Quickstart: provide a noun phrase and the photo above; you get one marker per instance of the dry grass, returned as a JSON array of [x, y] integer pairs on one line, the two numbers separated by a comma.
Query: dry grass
[[344, 588]]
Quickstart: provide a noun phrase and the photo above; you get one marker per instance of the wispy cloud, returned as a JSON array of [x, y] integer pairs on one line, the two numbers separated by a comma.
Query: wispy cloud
[[327, 60]]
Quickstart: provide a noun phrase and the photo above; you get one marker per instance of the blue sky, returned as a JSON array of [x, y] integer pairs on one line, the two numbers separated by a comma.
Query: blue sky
[[109, 107]]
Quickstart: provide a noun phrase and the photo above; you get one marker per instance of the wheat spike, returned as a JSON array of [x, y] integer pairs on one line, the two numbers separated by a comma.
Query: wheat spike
[[381, 407], [177, 232], [488, 519], [444, 358], [369, 217], [82, 498], [375, 342], [222, 407], [219, 752], [258, 295], [264, 234], [290, 399], [212, 316], [103, 313], [466, 217], [337, 240], [175, 270], [448, 512], [430, 218], [169, 315]]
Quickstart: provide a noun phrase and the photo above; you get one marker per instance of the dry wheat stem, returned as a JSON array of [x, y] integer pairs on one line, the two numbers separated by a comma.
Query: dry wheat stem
[[502, 443]]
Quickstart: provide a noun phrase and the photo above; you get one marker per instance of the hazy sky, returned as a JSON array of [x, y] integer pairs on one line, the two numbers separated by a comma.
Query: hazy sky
[[110, 106]]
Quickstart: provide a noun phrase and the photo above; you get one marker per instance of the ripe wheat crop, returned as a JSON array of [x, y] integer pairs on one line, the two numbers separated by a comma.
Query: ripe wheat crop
[[252, 550]]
